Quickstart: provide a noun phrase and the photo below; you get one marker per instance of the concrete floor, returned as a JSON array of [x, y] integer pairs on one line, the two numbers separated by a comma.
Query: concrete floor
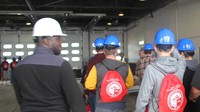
[[8, 101]]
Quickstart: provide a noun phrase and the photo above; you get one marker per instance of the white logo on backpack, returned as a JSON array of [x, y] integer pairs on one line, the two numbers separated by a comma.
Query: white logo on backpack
[[175, 99], [114, 88]]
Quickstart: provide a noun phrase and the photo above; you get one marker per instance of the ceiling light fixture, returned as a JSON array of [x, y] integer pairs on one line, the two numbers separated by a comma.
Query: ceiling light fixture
[[121, 13], [28, 24], [109, 23], [141, 42], [142, 0]]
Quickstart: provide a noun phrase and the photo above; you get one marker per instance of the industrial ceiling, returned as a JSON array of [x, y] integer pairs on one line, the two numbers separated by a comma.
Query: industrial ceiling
[[77, 13]]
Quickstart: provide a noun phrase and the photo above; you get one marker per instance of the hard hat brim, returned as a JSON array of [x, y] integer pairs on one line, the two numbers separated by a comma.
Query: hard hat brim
[[64, 35]]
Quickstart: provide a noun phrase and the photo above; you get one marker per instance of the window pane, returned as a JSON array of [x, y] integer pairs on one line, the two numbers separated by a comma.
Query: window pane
[[75, 59], [75, 44], [7, 46], [141, 42], [19, 46], [118, 51], [66, 58], [64, 45], [93, 45], [30, 52], [75, 52], [30, 46], [64, 52], [9, 60], [94, 52], [118, 58], [19, 53], [7, 53]]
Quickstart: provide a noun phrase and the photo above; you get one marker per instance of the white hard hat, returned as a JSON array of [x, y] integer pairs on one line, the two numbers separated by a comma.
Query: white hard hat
[[47, 27]]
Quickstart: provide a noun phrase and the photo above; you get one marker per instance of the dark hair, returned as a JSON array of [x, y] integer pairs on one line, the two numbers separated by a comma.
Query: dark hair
[[99, 48], [148, 51], [39, 38], [164, 47], [110, 50], [110, 47], [187, 53]]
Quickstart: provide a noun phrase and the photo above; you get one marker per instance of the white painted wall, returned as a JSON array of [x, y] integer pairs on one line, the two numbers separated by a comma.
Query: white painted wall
[[182, 17]]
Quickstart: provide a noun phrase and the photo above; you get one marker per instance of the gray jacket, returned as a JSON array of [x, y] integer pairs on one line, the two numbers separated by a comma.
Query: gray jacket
[[150, 87]]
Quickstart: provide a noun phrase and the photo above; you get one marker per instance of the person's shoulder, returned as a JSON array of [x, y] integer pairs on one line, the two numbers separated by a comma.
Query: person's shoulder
[[198, 66]]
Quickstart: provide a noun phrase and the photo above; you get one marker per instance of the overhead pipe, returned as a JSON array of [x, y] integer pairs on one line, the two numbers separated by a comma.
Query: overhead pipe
[[70, 13]]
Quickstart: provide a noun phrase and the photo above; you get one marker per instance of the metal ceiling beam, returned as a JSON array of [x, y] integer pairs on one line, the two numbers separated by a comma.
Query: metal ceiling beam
[[33, 17], [88, 14], [84, 7], [35, 12], [70, 13], [52, 3], [92, 22], [100, 7]]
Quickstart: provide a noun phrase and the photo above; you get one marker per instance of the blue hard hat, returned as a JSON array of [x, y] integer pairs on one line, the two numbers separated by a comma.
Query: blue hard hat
[[99, 42], [112, 40], [164, 36], [148, 46], [185, 44]]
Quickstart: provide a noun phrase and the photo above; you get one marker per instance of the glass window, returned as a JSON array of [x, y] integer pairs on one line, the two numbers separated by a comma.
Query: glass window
[[93, 45], [7, 46], [19, 46], [30, 46], [118, 50], [75, 52], [75, 44], [30, 52], [7, 53], [75, 58], [64, 52], [9, 60], [19, 53], [141, 42], [118, 58], [66, 58], [64, 44], [94, 52]]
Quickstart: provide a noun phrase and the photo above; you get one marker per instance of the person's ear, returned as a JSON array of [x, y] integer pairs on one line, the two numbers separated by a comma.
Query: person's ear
[[172, 49], [155, 48], [46, 41]]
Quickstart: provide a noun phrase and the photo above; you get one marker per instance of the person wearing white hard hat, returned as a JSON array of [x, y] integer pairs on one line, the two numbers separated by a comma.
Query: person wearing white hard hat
[[44, 82]]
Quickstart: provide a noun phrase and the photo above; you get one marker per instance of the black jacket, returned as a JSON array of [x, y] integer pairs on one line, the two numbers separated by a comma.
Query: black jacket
[[44, 82]]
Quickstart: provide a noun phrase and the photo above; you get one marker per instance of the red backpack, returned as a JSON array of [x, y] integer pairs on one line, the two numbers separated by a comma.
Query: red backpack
[[172, 94], [113, 87], [13, 64], [5, 65]]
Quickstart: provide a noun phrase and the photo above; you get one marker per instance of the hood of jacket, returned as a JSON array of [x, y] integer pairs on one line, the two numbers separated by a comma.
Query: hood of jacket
[[167, 64], [192, 64], [112, 64]]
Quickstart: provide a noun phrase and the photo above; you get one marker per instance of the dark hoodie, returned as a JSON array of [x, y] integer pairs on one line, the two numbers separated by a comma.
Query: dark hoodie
[[191, 66]]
